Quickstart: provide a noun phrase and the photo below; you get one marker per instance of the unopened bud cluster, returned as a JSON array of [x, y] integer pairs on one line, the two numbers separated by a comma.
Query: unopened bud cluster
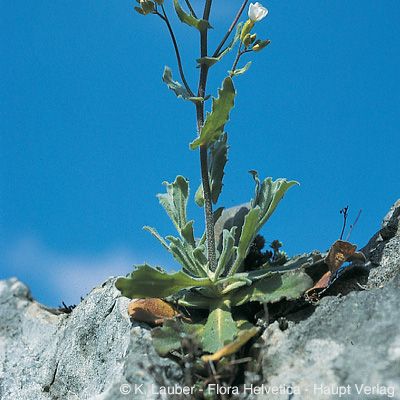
[[147, 6]]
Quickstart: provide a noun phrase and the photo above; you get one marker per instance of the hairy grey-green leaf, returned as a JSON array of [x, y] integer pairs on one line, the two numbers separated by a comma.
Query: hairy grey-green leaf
[[273, 288], [247, 236], [154, 232], [175, 86], [240, 71], [199, 196], [147, 282], [200, 254], [268, 194], [188, 234], [196, 298], [218, 159], [188, 19], [183, 253], [220, 328], [228, 250], [174, 201], [169, 337], [215, 121]]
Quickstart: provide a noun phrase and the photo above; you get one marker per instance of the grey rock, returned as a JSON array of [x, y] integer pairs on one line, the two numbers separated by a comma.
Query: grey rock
[[383, 250], [95, 352]]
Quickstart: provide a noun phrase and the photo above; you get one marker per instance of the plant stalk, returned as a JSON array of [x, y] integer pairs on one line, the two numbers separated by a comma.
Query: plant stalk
[[164, 17], [205, 179]]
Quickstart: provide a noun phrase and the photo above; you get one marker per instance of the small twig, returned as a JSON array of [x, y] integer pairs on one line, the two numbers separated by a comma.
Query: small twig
[[238, 55], [216, 377], [190, 8], [344, 212], [353, 225], [230, 29], [240, 361], [362, 286], [164, 17]]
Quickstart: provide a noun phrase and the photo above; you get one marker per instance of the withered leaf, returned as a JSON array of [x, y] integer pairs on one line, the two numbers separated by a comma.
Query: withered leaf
[[243, 337], [339, 253], [152, 310]]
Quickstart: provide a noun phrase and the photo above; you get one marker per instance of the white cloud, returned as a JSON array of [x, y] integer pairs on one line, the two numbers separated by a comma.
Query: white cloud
[[70, 275]]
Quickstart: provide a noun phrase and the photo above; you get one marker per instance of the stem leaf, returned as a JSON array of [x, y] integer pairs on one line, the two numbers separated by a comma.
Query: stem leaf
[[215, 121], [240, 71], [177, 88], [218, 157], [188, 19]]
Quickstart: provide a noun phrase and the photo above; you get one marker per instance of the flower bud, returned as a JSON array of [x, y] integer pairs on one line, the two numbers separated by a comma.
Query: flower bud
[[260, 44], [247, 27], [247, 40], [139, 10], [147, 6]]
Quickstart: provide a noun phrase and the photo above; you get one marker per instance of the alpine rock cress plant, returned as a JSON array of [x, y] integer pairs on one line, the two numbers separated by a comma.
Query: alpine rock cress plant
[[212, 276]]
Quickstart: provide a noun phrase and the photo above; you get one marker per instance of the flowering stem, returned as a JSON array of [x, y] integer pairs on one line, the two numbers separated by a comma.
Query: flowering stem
[[164, 17], [231, 28], [208, 211], [238, 55]]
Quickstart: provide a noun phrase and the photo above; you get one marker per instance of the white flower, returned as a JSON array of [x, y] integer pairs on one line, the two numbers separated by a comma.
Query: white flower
[[257, 12]]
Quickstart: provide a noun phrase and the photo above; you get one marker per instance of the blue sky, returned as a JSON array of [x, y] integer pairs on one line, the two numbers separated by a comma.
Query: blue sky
[[89, 131]]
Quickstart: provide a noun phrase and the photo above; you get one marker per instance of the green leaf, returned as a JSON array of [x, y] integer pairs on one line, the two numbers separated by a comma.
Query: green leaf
[[274, 288], [200, 254], [188, 234], [218, 159], [146, 282], [175, 200], [228, 250], [188, 19], [215, 121], [154, 232], [268, 194], [182, 251], [242, 338], [177, 88], [199, 196], [220, 328], [169, 337], [247, 236], [240, 71], [195, 299]]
